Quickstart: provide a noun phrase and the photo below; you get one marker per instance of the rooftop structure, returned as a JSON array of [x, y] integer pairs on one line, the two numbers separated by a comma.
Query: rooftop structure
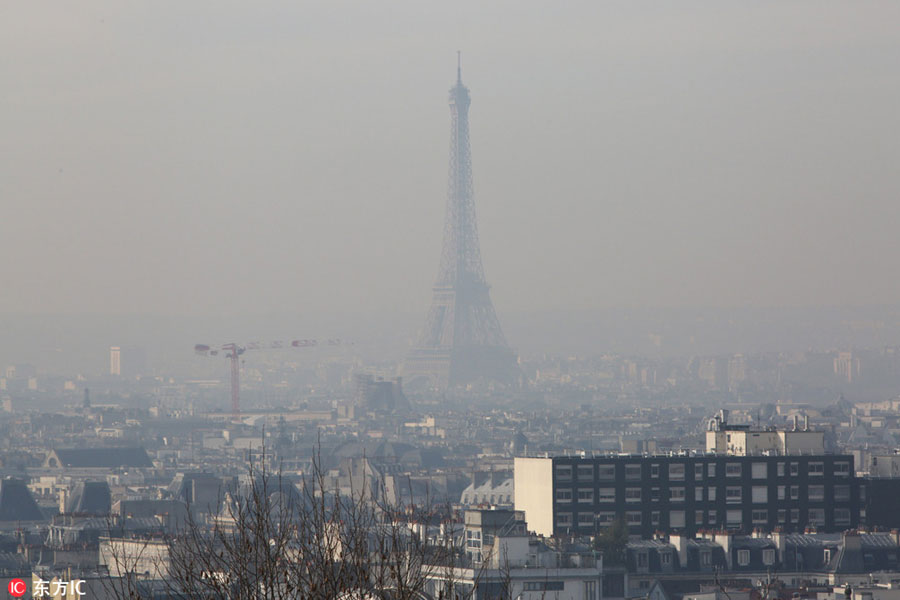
[[743, 440]]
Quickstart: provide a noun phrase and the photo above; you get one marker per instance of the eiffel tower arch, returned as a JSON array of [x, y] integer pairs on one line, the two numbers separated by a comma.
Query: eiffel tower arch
[[462, 341]]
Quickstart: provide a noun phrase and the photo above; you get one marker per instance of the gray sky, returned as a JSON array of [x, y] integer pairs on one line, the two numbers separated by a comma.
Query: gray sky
[[219, 157]]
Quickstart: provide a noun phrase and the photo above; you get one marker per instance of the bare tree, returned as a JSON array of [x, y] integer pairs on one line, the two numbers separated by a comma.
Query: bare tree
[[271, 538]]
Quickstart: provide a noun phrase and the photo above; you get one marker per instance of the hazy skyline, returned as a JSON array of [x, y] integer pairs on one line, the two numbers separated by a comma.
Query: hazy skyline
[[231, 158]]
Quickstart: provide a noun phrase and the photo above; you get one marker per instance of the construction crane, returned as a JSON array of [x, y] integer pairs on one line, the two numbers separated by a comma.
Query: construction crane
[[234, 351]]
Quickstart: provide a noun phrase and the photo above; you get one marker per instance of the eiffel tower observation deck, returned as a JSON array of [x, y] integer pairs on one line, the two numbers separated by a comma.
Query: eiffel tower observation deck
[[462, 341]]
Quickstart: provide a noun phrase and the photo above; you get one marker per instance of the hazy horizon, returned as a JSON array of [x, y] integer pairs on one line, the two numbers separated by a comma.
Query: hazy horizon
[[234, 159]]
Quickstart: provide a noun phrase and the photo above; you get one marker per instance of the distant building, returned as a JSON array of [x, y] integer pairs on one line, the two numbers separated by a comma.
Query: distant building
[[493, 488], [376, 394], [850, 558], [504, 561], [115, 360], [846, 367], [97, 458], [16, 502]]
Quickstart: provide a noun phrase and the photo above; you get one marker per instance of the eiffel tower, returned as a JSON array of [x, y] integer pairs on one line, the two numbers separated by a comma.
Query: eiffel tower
[[462, 341]]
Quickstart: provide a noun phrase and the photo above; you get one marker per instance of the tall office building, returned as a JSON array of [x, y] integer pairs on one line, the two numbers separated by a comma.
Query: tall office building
[[115, 360]]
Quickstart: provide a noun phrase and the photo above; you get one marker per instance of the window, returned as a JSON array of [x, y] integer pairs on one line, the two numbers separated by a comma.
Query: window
[[590, 590], [642, 559], [815, 493], [816, 516], [654, 517], [782, 515], [733, 470], [733, 495], [665, 558], [676, 518], [826, 555], [605, 518], [759, 494], [743, 557], [842, 493], [654, 494], [586, 495], [473, 539], [564, 520], [606, 472], [842, 516], [632, 472], [706, 558], [711, 470], [760, 516], [711, 494], [544, 586], [768, 556], [795, 515], [733, 518], [698, 494], [676, 494], [698, 518], [654, 470], [633, 518], [759, 470], [862, 493], [632, 494], [842, 469], [816, 468], [564, 472], [606, 495], [713, 517], [781, 492], [795, 492], [585, 472], [795, 469], [698, 471], [585, 519], [676, 471], [564, 495], [779, 469]]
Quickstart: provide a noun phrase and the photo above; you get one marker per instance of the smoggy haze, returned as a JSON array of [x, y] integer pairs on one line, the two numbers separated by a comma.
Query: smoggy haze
[[228, 157]]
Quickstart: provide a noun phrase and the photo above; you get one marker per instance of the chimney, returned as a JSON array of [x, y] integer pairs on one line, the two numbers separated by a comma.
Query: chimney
[[723, 538], [679, 540], [895, 534], [805, 422], [851, 540], [778, 537]]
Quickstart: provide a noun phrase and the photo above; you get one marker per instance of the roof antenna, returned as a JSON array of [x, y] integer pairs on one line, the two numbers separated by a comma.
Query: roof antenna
[[458, 66]]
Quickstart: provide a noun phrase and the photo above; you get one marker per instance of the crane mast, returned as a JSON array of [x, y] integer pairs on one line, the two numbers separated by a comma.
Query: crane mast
[[233, 352]]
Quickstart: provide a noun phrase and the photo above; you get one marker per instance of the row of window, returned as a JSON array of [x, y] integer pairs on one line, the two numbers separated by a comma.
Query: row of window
[[743, 558], [759, 494], [493, 498], [733, 518], [758, 470]]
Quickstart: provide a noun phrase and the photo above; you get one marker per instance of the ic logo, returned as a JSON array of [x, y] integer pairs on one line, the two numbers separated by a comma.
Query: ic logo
[[16, 587]]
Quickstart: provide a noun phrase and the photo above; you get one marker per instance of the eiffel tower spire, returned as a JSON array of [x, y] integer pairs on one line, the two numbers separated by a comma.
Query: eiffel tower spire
[[462, 340]]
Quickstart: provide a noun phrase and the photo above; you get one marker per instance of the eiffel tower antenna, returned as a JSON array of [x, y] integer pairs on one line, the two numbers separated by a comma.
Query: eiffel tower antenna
[[462, 341]]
